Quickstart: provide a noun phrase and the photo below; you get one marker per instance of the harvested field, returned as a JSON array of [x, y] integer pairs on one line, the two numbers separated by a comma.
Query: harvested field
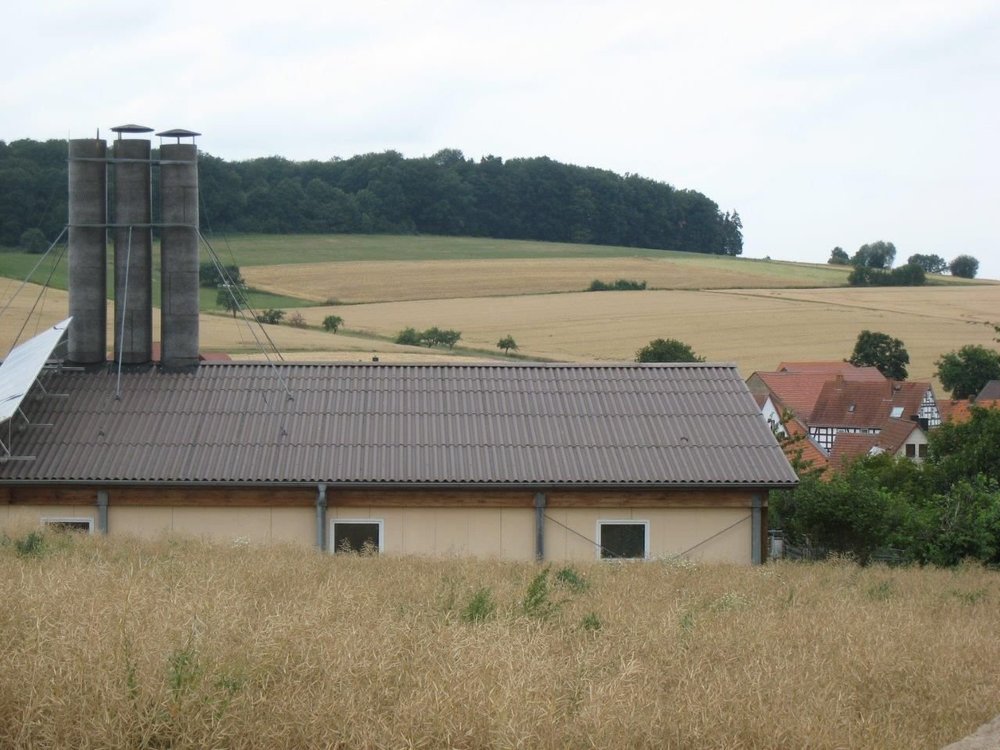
[[388, 281], [115, 643], [754, 329]]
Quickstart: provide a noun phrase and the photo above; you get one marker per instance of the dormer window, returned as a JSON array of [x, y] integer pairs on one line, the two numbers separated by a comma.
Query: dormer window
[[851, 408]]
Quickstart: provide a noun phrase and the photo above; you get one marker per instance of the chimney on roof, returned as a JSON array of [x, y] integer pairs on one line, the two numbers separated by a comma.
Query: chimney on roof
[[132, 224], [179, 251]]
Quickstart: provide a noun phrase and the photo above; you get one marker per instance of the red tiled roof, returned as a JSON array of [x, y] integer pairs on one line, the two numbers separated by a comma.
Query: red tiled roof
[[960, 411], [800, 391], [843, 403], [894, 434], [801, 450], [849, 446], [833, 368]]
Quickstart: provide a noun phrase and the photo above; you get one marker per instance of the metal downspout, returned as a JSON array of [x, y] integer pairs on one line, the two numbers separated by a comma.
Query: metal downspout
[[102, 511], [539, 526], [756, 529], [321, 517]]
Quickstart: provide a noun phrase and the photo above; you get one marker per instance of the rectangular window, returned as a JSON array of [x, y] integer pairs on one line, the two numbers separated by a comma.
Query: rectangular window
[[922, 450], [86, 525], [623, 540], [362, 536], [911, 450]]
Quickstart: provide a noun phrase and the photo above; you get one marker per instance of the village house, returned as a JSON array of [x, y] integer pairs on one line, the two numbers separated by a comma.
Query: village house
[[841, 412]]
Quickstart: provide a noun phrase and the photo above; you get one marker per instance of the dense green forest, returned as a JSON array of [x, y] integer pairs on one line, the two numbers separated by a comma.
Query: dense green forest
[[444, 194]]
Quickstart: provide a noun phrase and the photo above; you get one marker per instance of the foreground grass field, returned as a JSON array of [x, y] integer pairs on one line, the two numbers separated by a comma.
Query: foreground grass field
[[116, 643]]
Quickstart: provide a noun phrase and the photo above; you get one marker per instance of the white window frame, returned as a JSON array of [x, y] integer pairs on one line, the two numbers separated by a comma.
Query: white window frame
[[53, 520], [621, 522], [332, 543]]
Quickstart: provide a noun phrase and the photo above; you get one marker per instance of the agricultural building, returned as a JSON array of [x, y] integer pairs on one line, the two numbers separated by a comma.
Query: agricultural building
[[519, 461], [560, 462]]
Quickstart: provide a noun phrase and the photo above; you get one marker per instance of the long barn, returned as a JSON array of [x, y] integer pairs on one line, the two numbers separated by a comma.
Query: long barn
[[554, 462]]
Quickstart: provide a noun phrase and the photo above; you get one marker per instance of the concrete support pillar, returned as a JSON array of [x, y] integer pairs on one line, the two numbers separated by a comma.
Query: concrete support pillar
[[133, 252], [540, 502], [757, 530], [102, 511], [321, 517], [88, 242], [179, 255]]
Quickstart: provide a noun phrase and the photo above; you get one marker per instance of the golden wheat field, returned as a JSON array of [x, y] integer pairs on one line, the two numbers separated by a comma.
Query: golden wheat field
[[109, 642], [389, 281], [755, 329]]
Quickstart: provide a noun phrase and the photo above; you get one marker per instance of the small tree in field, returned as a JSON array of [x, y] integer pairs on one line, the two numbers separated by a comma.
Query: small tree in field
[[964, 266], [839, 257], [875, 349], [667, 350], [332, 322], [507, 343], [228, 300]]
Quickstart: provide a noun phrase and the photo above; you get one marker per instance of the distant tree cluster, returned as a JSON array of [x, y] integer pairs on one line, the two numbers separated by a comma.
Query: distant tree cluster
[[909, 275], [873, 261], [446, 194], [667, 350], [618, 285], [430, 337]]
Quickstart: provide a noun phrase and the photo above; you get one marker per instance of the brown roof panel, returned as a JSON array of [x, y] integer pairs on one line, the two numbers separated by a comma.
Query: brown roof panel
[[800, 389], [843, 403], [403, 424]]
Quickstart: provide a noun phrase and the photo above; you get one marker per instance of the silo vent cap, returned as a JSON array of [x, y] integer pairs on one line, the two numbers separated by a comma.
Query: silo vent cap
[[130, 128], [178, 133]]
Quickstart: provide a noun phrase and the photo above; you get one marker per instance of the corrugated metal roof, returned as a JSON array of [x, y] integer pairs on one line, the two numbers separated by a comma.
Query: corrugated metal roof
[[402, 424]]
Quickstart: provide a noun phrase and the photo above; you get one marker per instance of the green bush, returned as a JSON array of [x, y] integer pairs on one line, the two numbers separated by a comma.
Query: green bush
[[481, 607], [332, 322], [408, 336], [271, 316], [619, 285]]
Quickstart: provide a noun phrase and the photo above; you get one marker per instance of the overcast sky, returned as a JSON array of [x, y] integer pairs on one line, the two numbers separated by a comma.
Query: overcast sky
[[823, 124]]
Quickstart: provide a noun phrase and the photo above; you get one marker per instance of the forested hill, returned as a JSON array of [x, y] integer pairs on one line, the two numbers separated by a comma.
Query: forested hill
[[446, 194]]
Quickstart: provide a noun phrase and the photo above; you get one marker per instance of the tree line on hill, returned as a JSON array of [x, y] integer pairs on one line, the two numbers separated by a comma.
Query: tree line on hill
[[444, 194], [873, 266]]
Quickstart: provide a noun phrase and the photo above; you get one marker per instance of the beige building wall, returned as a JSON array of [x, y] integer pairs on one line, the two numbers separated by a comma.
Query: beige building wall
[[22, 516], [507, 533], [708, 534]]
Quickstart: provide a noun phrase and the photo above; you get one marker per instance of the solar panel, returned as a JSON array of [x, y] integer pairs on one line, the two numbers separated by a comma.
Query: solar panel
[[21, 368]]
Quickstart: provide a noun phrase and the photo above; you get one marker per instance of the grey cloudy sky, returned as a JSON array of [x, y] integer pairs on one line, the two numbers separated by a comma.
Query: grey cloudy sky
[[823, 124]]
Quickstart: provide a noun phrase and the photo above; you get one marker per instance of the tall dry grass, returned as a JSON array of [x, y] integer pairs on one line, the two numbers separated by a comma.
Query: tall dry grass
[[116, 643]]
